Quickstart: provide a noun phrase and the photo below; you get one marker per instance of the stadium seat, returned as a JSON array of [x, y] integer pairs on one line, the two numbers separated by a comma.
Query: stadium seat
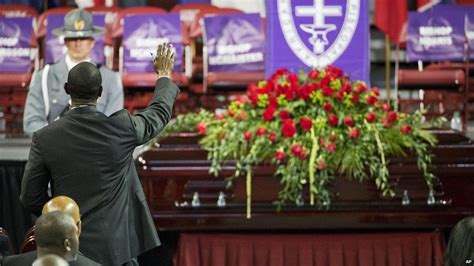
[[111, 14], [42, 29], [196, 43], [15, 75], [143, 79], [29, 244], [141, 76], [188, 13], [14, 10], [231, 79], [4, 233], [441, 91]]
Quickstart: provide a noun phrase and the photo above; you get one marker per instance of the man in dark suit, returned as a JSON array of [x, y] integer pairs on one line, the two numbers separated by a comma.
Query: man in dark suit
[[87, 156], [55, 233], [62, 204], [50, 260]]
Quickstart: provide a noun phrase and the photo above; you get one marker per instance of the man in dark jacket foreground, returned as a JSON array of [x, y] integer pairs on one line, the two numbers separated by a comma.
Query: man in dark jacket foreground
[[87, 156]]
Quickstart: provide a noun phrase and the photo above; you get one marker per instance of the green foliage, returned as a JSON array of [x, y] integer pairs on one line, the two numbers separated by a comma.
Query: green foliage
[[312, 126]]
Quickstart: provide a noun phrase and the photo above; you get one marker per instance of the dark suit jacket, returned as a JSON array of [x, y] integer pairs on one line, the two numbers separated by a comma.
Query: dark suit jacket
[[29, 257], [88, 157]]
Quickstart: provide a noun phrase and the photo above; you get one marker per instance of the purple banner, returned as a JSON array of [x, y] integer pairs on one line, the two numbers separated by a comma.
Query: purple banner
[[470, 32], [460, 11], [55, 48], [15, 41], [436, 36], [235, 43], [141, 36], [316, 33]]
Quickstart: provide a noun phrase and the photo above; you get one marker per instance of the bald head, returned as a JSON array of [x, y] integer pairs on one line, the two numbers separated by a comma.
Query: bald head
[[84, 82], [57, 233], [50, 260], [63, 204], [67, 205]]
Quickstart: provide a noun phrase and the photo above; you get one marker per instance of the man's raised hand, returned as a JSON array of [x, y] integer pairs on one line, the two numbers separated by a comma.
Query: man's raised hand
[[163, 62]]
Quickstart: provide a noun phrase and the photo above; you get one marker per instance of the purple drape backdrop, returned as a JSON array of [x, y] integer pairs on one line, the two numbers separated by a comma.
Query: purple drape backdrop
[[298, 36]]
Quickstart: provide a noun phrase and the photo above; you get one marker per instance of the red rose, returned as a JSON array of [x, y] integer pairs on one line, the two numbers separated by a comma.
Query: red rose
[[321, 165], [325, 81], [354, 133], [288, 128], [270, 86], [355, 98], [201, 128], [360, 88], [392, 116], [296, 149], [334, 72], [371, 100], [327, 91], [261, 131], [386, 107], [322, 142], [370, 117], [346, 88], [302, 154], [406, 129], [247, 135], [376, 91], [281, 71], [331, 147], [273, 102], [284, 114], [292, 77], [304, 92], [348, 121], [313, 74], [327, 107], [386, 122], [279, 155], [252, 94], [268, 113], [306, 124], [290, 94], [332, 120], [219, 117], [272, 136]]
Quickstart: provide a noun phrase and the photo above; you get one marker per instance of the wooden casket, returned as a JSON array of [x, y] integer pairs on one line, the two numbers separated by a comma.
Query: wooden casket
[[175, 172]]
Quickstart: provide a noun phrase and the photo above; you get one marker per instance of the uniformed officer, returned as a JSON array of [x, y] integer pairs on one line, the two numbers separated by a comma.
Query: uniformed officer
[[47, 99]]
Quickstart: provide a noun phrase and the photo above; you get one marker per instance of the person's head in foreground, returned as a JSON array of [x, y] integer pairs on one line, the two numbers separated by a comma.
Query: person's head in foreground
[[78, 32], [84, 84], [64, 204], [460, 250], [50, 260], [56, 233]]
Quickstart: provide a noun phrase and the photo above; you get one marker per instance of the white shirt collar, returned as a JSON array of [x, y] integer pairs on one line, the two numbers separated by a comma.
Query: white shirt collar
[[70, 64]]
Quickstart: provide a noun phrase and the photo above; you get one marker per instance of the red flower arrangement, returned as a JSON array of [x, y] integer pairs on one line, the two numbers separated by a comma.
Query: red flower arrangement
[[314, 126]]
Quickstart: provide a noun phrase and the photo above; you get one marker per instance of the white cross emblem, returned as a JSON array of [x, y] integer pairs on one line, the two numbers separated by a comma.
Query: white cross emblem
[[318, 29]]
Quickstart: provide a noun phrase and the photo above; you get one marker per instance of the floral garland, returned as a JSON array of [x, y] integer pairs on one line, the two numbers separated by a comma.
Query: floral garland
[[312, 126]]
